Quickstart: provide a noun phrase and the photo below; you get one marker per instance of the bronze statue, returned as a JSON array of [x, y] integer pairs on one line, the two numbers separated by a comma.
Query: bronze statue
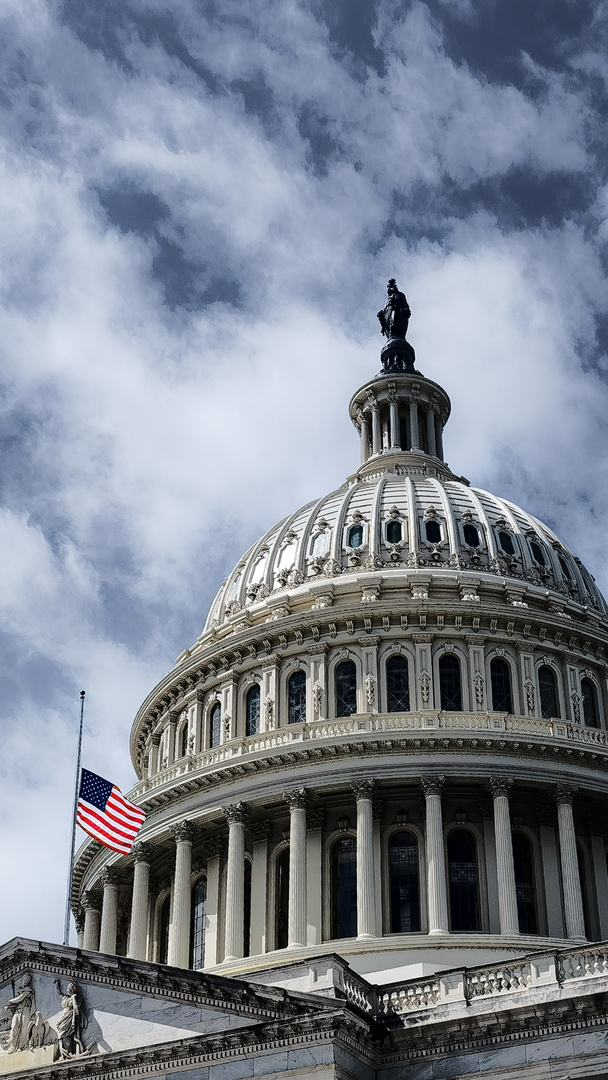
[[395, 315]]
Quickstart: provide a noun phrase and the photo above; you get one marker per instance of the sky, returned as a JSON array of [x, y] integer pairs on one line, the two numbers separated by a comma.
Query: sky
[[200, 206]]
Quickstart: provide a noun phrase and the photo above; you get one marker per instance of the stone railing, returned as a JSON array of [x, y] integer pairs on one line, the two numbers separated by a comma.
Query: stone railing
[[375, 724], [359, 993], [495, 980]]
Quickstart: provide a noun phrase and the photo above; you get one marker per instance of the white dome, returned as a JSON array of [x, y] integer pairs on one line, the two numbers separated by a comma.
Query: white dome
[[315, 542]]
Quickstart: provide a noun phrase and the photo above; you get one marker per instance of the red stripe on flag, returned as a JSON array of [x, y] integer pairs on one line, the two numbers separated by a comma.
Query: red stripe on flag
[[103, 838], [118, 830]]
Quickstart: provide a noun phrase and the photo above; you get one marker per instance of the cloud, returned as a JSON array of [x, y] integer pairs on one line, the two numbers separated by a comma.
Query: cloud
[[198, 213]]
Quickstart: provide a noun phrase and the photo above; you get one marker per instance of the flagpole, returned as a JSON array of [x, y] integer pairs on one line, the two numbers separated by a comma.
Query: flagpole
[[66, 930]]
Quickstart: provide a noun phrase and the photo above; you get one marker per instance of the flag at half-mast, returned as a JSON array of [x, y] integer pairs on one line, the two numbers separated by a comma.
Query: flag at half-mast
[[104, 813]]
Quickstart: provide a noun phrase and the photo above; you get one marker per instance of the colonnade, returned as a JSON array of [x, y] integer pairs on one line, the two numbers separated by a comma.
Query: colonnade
[[101, 907]]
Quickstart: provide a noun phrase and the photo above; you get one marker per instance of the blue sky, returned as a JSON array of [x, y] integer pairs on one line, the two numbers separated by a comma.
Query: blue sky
[[200, 206]]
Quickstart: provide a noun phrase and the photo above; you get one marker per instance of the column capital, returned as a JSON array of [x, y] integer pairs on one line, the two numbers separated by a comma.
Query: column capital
[[260, 830], [296, 798], [142, 852], [363, 789], [110, 876], [183, 832], [93, 900], [432, 785], [236, 813], [564, 794], [216, 845], [315, 818], [79, 921], [500, 786]]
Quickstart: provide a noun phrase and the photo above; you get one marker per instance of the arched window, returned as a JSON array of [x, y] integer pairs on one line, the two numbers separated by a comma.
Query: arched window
[[393, 532], [252, 711], [344, 887], [548, 693], [163, 930], [590, 710], [247, 910], [346, 688], [537, 553], [471, 535], [355, 536], [282, 882], [524, 884], [404, 892], [296, 698], [215, 725], [197, 934], [462, 874], [450, 688], [397, 685], [501, 686], [565, 568], [433, 532], [506, 543], [183, 742]]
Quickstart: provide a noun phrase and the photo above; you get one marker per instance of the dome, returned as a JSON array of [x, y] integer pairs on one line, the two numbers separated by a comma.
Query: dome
[[402, 518], [389, 743]]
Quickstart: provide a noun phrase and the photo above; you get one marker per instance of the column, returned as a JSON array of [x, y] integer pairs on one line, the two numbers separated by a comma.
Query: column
[[489, 845], [296, 925], [377, 815], [79, 923], [178, 951], [110, 880], [600, 874], [571, 882], [260, 835], [439, 438], [171, 738], [435, 856], [395, 433], [364, 438], [153, 759], [314, 875], [366, 898], [214, 850], [376, 432], [505, 871], [414, 434], [92, 921], [545, 815], [138, 934], [430, 430], [235, 881]]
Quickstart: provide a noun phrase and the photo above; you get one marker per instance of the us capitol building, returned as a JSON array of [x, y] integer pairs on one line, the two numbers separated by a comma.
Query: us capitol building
[[376, 795]]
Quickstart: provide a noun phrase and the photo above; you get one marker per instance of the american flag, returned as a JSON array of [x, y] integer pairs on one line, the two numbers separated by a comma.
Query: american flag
[[105, 814]]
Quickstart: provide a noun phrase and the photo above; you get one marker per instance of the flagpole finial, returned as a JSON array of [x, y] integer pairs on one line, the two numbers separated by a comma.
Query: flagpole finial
[[82, 693]]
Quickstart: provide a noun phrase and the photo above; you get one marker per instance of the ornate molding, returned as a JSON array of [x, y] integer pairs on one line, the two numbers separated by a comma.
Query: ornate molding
[[315, 818], [260, 830]]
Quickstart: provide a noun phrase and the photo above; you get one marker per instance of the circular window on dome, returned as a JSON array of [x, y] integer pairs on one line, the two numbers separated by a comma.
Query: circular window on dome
[[506, 543], [537, 553], [355, 536], [471, 536], [433, 532]]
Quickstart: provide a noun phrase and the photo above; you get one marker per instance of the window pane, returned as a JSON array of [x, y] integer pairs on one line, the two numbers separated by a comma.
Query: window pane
[[296, 694], [565, 568], [537, 553], [501, 686], [433, 532], [462, 874], [344, 888], [524, 884], [590, 714], [355, 536], [506, 543], [215, 725], [471, 535], [548, 693], [393, 532], [197, 936], [403, 866], [282, 898], [397, 685], [346, 689], [449, 683], [252, 711], [184, 741]]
